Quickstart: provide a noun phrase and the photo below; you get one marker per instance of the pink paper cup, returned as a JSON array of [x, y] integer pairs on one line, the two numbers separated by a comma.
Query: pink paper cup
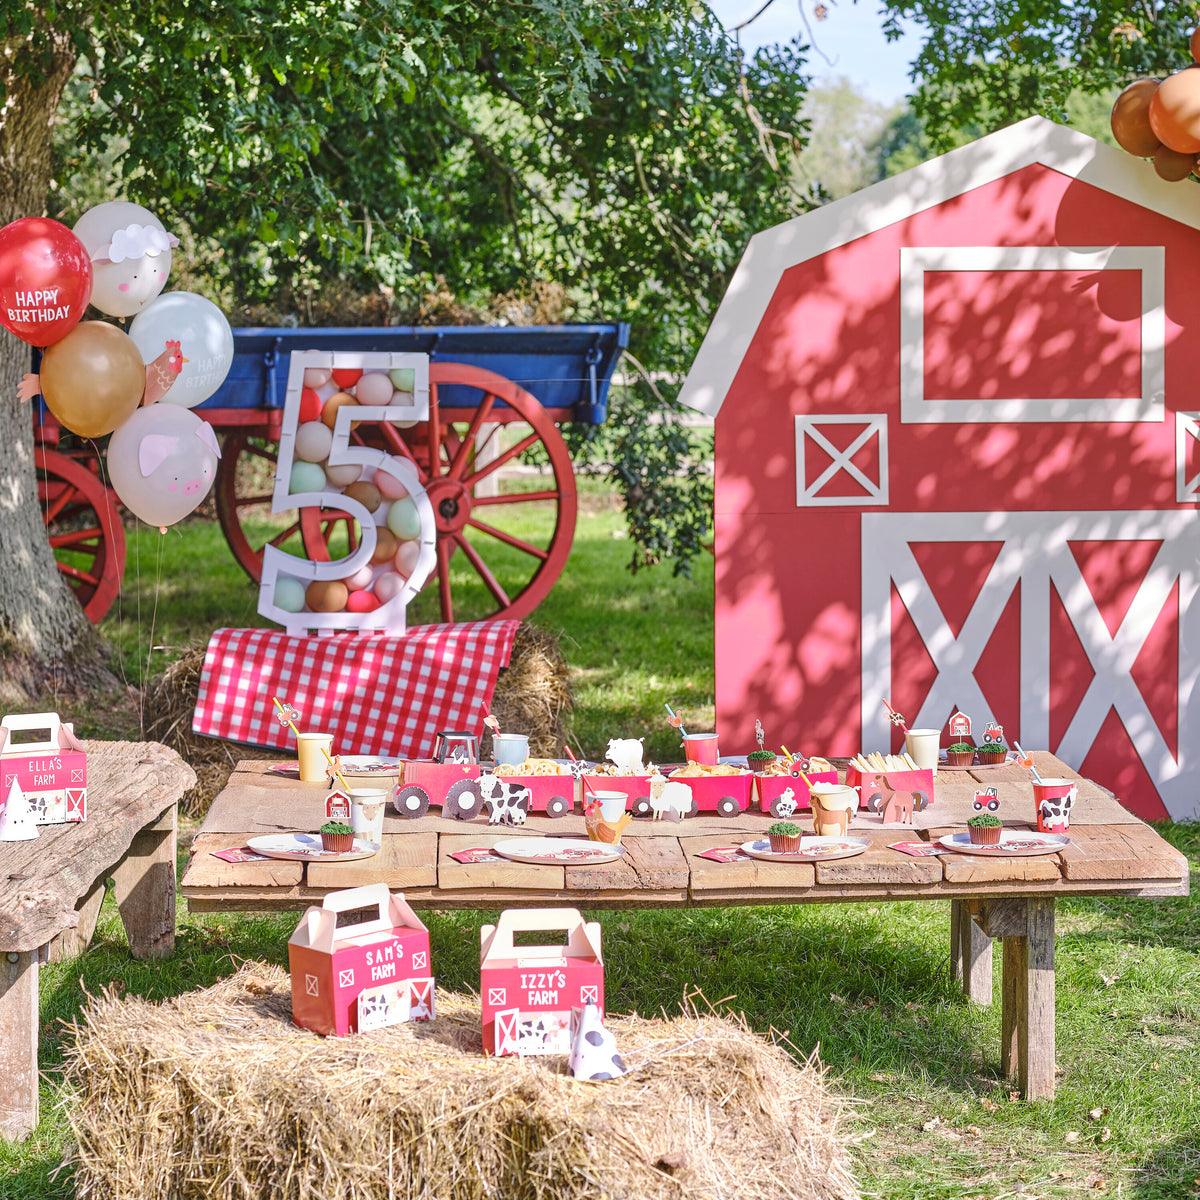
[[701, 748], [1053, 799]]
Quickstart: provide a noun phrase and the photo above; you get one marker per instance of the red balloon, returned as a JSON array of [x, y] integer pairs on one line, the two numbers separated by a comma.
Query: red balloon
[[45, 280], [310, 406], [346, 377]]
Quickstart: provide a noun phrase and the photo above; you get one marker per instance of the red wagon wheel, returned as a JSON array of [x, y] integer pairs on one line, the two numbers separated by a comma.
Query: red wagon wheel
[[516, 572], [84, 528]]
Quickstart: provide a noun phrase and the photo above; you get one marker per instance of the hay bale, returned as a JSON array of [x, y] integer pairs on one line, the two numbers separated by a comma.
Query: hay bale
[[217, 1094], [533, 695]]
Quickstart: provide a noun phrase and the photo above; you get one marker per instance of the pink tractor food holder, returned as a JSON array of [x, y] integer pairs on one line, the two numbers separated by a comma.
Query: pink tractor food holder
[[351, 978], [52, 771], [527, 992]]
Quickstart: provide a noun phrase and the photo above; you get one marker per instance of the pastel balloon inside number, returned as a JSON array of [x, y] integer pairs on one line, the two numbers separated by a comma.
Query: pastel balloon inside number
[[374, 388], [327, 595], [404, 379], [390, 488], [389, 586], [404, 520], [315, 377], [310, 405], [314, 439], [344, 475], [289, 594], [385, 545], [367, 494], [361, 602], [360, 579], [346, 377], [406, 558], [306, 477], [330, 411]]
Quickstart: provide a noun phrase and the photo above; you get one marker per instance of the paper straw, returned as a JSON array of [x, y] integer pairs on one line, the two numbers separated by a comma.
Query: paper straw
[[894, 713], [1036, 777], [676, 721], [291, 723], [586, 783], [336, 770]]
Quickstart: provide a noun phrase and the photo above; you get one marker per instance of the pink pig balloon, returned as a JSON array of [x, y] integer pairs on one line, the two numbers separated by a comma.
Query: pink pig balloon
[[162, 462]]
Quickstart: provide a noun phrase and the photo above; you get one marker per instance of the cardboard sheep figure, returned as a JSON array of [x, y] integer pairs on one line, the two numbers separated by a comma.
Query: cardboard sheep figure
[[593, 1048], [670, 797]]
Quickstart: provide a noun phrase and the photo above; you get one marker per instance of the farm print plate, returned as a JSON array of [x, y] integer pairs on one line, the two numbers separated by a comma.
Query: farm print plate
[[561, 852], [812, 849], [365, 764], [1014, 843], [306, 847]]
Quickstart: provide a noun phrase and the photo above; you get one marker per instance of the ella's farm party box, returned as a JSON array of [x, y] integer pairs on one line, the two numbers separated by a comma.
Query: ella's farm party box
[[52, 772], [527, 992], [351, 978]]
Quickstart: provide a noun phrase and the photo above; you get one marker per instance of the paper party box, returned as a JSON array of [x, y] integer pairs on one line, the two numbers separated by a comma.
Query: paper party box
[[52, 772], [527, 992], [350, 978]]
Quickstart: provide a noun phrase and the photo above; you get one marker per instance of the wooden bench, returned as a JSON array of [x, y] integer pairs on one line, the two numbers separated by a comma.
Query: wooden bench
[[51, 890], [1009, 899]]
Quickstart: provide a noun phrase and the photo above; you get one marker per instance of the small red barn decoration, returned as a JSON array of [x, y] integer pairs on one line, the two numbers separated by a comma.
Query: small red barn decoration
[[957, 463]]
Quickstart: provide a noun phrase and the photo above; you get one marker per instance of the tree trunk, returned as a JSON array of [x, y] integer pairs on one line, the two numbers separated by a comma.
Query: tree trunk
[[45, 640]]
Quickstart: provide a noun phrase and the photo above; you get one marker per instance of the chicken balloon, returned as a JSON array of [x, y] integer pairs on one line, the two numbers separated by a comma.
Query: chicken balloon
[[198, 325]]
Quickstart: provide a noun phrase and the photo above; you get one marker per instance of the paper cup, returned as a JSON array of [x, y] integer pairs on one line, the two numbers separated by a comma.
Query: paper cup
[[922, 744], [311, 749], [366, 812], [510, 748], [612, 805], [1061, 796], [833, 805], [701, 748]]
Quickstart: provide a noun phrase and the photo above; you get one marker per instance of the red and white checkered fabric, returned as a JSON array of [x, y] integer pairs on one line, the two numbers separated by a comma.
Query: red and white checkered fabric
[[380, 694]]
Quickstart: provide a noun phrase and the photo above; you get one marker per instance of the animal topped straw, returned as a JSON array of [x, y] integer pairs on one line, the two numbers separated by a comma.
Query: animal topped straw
[[676, 721], [287, 715], [1027, 761], [895, 717]]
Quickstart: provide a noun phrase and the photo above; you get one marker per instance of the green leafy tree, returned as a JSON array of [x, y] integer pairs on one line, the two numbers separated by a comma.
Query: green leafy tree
[[626, 151]]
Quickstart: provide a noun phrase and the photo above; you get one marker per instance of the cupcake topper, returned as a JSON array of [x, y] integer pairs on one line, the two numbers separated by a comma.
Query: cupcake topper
[[336, 769], [895, 717], [1026, 761], [759, 734], [672, 719]]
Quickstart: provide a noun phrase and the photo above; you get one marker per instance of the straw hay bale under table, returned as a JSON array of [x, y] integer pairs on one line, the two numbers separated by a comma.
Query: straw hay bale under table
[[216, 1094]]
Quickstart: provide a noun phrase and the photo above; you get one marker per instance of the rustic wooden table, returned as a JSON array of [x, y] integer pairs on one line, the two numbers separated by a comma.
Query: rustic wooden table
[[1012, 899], [51, 889]]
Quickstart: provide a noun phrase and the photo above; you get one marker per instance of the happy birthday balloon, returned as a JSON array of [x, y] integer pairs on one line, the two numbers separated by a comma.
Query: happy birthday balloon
[[203, 333], [130, 252], [45, 280]]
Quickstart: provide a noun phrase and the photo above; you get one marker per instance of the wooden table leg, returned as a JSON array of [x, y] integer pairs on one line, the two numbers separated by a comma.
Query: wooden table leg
[[77, 940], [18, 1043], [957, 909], [975, 957], [145, 889], [1027, 991]]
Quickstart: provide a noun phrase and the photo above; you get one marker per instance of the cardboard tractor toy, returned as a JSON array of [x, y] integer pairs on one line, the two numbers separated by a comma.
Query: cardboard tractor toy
[[527, 992], [351, 978], [51, 772]]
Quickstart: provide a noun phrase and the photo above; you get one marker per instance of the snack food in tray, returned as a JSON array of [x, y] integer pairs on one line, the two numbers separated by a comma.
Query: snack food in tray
[[533, 766], [695, 770]]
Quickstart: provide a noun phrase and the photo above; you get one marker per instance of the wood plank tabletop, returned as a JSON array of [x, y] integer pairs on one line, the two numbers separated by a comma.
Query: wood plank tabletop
[[662, 863]]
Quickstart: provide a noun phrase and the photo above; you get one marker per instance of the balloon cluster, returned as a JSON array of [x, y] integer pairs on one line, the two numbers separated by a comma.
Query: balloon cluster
[[1160, 119], [94, 377], [395, 515]]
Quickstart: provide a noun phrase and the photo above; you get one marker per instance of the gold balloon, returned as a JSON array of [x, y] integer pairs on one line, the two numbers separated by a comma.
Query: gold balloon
[[1131, 118], [386, 544], [1171, 165], [327, 595], [93, 379], [329, 410], [1194, 44]]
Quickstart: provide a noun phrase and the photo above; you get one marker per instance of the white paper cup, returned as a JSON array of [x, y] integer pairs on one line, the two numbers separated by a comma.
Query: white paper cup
[[366, 812], [510, 748], [922, 744], [612, 805], [310, 750]]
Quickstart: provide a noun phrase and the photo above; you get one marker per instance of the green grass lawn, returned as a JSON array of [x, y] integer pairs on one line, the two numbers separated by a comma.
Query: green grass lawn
[[867, 986]]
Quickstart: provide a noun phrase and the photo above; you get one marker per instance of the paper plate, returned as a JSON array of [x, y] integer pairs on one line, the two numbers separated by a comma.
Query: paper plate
[[812, 849], [306, 847], [1014, 843], [568, 852], [367, 764]]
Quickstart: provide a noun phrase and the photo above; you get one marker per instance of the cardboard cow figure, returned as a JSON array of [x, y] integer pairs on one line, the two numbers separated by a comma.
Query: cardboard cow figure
[[16, 818], [593, 1048]]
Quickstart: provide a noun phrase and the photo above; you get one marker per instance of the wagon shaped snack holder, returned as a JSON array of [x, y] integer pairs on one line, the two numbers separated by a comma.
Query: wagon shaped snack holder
[[871, 797], [771, 789], [482, 380], [635, 787], [726, 795]]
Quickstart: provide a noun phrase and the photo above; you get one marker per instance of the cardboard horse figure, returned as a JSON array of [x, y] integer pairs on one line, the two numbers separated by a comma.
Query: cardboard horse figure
[[895, 805]]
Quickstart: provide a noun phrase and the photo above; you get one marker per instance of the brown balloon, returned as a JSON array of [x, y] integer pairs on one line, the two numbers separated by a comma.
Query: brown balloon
[[327, 595], [330, 410], [1131, 118], [93, 378], [1194, 44], [366, 493], [1175, 111], [1173, 166], [386, 544]]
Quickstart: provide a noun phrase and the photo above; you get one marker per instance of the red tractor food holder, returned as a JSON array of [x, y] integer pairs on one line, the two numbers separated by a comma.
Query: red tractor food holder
[[527, 992], [347, 979], [52, 772]]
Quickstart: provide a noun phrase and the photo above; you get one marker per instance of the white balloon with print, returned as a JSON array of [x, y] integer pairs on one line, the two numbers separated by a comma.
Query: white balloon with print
[[130, 251], [203, 333], [162, 463]]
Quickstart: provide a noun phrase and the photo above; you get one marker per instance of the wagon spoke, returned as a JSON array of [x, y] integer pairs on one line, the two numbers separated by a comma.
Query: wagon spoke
[[509, 540], [261, 452], [76, 537], [61, 501], [514, 498], [435, 442], [78, 575], [250, 501], [481, 568], [445, 549], [396, 442], [280, 538], [481, 414], [501, 459]]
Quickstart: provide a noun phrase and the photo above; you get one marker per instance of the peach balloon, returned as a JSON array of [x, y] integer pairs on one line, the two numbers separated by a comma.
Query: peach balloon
[[360, 579], [330, 410], [374, 388], [1171, 165], [342, 476], [315, 377], [327, 595], [389, 586], [1131, 118], [361, 602], [313, 441], [92, 380], [386, 544], [1175, 112], [1194, 44], [390, 488], [367, 494], [406, 558]]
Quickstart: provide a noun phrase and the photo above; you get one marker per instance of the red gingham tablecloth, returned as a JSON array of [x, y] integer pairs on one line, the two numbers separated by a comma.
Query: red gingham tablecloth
[[382, 694]]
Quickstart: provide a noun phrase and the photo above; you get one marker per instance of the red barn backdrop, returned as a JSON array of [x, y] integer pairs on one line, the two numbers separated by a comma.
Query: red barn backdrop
[[957, 463]]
